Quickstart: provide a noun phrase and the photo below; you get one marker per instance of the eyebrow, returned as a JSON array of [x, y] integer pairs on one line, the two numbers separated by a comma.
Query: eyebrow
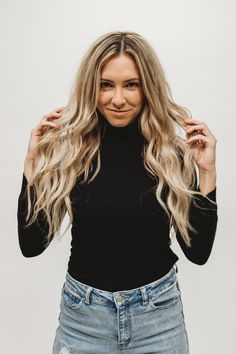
[[134, 78]]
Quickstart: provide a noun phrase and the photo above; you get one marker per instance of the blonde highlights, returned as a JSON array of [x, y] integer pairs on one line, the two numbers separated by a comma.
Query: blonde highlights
[[71, 151]]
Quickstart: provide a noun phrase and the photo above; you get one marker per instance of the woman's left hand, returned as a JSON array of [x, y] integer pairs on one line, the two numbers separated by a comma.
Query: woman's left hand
[[203, 143]]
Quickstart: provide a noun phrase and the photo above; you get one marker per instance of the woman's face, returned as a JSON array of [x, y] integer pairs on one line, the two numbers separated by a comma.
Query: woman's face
[[121, 95]]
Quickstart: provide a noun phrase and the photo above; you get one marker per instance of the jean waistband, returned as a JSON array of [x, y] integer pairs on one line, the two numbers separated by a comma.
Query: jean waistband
[[122, 296]]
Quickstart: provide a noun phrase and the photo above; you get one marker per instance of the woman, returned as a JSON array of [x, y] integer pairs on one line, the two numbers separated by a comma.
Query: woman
[[118, 132]]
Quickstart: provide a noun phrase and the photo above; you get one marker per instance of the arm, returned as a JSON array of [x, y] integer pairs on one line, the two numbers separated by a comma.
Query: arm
[[32, 240], [204, 221]]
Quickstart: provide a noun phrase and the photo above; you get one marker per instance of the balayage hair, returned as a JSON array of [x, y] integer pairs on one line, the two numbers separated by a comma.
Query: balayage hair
[[68, 152]]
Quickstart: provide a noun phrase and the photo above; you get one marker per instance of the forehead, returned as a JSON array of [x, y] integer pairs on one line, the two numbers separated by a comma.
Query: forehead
[[121, 67]]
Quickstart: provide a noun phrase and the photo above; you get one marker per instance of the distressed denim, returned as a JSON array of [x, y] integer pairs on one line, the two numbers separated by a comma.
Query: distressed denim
[[147, 319]]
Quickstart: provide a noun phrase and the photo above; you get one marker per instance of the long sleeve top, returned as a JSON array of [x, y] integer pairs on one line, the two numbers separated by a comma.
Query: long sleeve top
[[120, 233]]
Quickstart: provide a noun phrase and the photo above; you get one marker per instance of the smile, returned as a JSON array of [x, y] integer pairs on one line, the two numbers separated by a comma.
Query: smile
[[113, 110], [119, 113]]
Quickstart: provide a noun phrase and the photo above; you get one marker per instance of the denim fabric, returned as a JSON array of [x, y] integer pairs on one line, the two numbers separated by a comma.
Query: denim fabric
[[148, 319]]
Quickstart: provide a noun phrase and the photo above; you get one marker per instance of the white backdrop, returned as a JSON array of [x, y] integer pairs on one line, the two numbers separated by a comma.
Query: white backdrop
[[42, 43]]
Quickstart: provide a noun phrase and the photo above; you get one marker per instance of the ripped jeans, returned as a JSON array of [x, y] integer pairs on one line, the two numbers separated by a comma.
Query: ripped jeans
[[148, 319]]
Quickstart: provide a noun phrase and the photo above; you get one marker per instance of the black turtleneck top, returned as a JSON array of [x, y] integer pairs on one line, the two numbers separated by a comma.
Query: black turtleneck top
[[120, 233]]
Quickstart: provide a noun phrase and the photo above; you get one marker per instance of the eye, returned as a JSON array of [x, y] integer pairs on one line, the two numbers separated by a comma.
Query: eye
[[129, 84], [104, 83], [133, 84]]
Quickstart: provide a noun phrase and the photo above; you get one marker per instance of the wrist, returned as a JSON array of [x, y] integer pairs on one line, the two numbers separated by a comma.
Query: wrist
[[211, 170], [29, 158], [207, 180]]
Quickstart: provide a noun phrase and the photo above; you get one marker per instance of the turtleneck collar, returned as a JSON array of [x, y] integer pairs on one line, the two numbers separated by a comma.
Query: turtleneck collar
[[131, 130]]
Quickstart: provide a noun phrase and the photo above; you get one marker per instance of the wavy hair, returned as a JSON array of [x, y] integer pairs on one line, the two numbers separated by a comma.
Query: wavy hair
[[69, 151]]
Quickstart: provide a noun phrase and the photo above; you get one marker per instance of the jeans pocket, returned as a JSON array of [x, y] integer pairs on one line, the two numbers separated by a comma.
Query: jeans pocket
[[71, 299], [165, 297]]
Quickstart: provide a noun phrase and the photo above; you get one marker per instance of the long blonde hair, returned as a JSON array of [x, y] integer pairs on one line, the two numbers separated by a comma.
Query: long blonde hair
[[69, 152]]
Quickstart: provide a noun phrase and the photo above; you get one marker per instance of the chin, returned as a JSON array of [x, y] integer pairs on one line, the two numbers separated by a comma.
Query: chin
[[120, 122]]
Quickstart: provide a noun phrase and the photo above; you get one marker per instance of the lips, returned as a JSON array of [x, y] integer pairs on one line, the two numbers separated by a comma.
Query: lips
[[113, 110], [119, 113]]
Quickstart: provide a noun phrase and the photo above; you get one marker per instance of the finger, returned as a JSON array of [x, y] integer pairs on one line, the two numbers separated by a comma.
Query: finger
[[189, 135], [200, 128], [55, 115], [49, 116], [197, 129], [45, 117], [193, 121], [44, 124], [194, 127], [197, 137]]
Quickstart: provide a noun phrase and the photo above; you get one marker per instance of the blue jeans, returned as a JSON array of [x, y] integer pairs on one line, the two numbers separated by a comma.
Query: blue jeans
[[147, 319]]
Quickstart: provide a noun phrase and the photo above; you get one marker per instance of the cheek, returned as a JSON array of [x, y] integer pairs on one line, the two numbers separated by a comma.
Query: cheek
[[138, 99], [102, 99]]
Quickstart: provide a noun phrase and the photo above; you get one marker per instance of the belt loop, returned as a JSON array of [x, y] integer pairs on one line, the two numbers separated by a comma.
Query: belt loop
[[144, 296], [87, 295]]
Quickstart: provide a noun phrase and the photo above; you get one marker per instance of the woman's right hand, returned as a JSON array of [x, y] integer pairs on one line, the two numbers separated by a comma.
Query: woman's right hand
[[39, 131]]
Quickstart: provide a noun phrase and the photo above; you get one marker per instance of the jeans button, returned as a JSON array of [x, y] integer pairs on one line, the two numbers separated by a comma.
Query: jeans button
[[118, 299]]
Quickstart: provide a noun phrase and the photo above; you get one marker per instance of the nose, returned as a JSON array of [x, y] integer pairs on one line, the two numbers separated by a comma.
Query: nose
[[118, 99]]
